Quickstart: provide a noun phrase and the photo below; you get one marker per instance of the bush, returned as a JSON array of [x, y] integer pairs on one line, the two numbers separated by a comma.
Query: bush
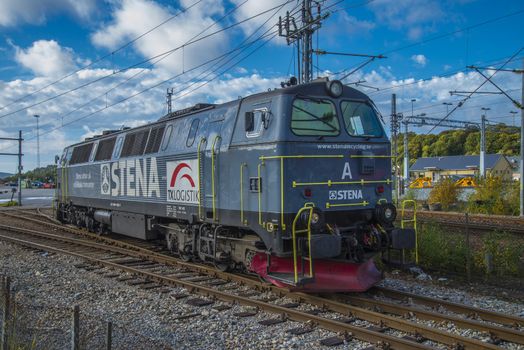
[[444, 192], [495, 196]]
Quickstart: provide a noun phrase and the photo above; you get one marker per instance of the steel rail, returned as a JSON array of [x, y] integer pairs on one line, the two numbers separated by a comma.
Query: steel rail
[[510, 224], [505, 333], [370, 316], [486, 315], [363, 334]]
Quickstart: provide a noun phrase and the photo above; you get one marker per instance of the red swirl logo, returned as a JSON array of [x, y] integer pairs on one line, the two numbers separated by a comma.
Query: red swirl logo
[[176, 172]]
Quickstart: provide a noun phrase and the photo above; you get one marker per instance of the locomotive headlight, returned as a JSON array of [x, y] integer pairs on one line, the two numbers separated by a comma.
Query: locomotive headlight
[[315, 218], [385, 213], [388, 214], [335, 88]]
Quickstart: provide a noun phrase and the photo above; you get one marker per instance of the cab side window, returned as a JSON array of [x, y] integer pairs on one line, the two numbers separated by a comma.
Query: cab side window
[[192, 132], [256, 121]]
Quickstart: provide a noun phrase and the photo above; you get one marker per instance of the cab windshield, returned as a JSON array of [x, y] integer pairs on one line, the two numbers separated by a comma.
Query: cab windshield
[[314, 117], [360, 119]]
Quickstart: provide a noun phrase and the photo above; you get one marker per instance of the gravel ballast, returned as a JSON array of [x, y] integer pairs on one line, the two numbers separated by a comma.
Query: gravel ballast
[[48, 285]]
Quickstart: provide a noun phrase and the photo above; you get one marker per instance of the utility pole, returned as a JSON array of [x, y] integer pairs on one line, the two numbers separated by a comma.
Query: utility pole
[[19, 155], [307, 54], [395, 125], [518, 105], [302, 36], [483, 142], [20, 167], [447, 104], [406, 155], [513, 113], [37, 141], [406, 150], [522, 142], [169, 96]]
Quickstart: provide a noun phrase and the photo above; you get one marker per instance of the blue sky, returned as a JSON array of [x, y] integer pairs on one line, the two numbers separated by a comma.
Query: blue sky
[[428, 45]]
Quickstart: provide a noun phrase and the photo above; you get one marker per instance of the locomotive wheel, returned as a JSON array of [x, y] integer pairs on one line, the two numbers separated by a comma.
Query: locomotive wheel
[[222, 267], [185, 257]]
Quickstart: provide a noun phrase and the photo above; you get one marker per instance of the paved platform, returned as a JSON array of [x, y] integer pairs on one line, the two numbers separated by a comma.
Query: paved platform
[[30, 197]]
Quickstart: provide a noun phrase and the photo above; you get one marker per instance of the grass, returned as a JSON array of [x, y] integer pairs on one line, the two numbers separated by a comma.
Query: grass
[[9, 204], [493, 254]]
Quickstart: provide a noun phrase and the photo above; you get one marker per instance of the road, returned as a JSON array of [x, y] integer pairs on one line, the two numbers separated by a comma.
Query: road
[[30, 197]]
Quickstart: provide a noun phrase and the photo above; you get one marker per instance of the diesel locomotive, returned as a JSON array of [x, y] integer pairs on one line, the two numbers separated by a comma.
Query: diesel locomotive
[[293, 184]]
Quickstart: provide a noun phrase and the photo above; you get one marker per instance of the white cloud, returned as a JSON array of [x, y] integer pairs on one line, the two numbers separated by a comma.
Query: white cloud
[[46, 58], [414, 15], [131, 18], [252, 8], [431, 93], [13, 12], [419, 59]]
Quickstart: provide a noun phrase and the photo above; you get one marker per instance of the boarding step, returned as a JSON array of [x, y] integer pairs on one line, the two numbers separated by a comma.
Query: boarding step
[[289, 278]]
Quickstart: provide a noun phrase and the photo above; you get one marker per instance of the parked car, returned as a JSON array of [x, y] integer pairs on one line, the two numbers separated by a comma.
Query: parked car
[[37, 184], [48, 185]]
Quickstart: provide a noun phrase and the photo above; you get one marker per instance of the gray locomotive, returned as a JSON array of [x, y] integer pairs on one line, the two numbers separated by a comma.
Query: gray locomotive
[[293, 184]]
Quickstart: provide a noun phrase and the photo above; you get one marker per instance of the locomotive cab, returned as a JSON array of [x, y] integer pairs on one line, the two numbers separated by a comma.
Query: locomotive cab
[[328, 174]]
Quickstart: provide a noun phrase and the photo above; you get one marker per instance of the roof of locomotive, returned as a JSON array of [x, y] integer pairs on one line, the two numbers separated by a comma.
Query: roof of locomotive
[[314, 88]]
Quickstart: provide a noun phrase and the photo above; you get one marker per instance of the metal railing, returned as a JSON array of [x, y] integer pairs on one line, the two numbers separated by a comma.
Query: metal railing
[[200, 191], [242, 218], [308, 207], [213, 191], [413, 220]]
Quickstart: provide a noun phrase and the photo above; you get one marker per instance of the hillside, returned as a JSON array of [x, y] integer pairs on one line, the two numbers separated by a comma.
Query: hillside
[[4, 175], [500, 139]]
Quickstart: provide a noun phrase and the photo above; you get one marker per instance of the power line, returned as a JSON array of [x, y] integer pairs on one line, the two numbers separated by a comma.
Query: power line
[[153, 63], [481, 85], [144, 61], [440, 36], [101, 58], [273, 35], [416, 81]]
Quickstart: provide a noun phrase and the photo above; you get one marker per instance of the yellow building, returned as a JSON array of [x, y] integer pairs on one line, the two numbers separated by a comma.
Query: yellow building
[[436, 168]]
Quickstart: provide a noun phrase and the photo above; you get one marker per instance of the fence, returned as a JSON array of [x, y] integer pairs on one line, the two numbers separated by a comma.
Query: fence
[[25, 325], [472, 253]]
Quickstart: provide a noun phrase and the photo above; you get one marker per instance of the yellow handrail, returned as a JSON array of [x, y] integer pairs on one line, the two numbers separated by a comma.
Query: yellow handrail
[[331, 205], [414, 221], [294, 232], [200, 191], [330, 183], [282, 224], [217, 137], [260, 194], [242, 220], [62, 184], [369, 156]]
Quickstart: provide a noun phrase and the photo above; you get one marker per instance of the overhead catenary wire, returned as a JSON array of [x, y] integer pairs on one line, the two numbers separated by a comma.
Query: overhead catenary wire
[[241, 46], [143, 61], [433, 38], [444, 75], [213, 70], [91, 64], [270, 35], [475, 90], [152, 63]]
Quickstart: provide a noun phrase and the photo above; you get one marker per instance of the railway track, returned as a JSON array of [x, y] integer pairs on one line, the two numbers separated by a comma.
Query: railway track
[[476, 222], [386, 322]]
